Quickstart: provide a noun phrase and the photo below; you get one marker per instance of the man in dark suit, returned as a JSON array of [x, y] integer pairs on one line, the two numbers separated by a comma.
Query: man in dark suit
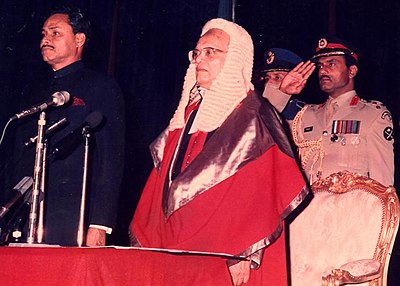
[[65, 33]]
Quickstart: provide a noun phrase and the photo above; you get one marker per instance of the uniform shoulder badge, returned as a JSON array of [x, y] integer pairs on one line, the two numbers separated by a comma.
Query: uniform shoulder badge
[[388, 133], [386, 116]]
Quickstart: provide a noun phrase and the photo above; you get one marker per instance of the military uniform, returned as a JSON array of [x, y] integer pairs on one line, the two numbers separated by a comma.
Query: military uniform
[[358, 138], [345, 132]]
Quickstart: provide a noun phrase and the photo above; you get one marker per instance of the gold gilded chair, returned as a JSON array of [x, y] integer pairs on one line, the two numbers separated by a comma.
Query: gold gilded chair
[[346, 233]]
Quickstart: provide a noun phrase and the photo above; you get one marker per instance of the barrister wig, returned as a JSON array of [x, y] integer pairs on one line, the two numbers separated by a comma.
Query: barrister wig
[[230, 86]]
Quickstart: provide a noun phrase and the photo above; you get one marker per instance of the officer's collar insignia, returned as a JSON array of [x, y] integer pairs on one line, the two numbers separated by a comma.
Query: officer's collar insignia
[[354, 100]]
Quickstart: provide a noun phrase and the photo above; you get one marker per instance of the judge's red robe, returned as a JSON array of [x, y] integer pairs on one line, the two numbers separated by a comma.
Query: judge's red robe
[[232, 195]]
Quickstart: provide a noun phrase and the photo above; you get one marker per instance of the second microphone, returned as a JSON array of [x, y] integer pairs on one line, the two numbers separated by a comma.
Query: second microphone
[[70, 142]]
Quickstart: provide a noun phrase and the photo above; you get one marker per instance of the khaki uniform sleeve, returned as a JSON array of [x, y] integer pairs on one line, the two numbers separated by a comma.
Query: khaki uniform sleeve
[[380, 149], [277, 98]]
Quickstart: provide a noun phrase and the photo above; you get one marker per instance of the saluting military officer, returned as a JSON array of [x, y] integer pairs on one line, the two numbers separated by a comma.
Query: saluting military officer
[[278, 62], [345, 132]]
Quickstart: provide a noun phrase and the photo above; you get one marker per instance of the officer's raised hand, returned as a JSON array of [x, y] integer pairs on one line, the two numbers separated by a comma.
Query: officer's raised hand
[[295, 80]]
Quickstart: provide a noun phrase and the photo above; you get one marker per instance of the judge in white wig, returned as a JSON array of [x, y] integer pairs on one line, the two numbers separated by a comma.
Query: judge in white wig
[[221, 167], [230, 86]]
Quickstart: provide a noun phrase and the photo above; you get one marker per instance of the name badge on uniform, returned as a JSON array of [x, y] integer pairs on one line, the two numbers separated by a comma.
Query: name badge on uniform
[[346, 126], [308, 129]]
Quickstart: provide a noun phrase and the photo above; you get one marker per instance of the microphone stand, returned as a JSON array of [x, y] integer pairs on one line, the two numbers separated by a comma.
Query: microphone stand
[[40, 227], [37, 179], [86, 135]]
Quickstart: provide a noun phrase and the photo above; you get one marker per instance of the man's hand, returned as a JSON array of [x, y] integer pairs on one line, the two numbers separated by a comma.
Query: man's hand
[[295, 80], [95, 237], [240, 272]]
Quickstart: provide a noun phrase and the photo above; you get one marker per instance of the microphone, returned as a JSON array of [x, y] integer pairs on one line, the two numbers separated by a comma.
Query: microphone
[[21, 188], [52, 128], [70, 142], [57, 99]]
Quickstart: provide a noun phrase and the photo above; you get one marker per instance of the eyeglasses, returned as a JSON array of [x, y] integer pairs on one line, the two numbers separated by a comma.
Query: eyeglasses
[[209, 53]]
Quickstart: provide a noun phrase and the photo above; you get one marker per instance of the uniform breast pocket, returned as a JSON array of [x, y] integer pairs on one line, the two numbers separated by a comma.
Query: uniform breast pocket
[[352, 152]]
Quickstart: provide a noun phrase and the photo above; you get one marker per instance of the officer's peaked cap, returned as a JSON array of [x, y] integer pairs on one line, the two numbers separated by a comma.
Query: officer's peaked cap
[[277, 59], [329, 45]]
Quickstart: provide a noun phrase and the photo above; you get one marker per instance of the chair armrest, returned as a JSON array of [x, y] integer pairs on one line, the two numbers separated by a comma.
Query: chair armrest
[[354, 272]]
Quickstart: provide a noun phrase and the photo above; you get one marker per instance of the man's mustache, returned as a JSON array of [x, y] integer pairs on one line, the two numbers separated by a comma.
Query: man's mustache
[[46, 46], [324, 77]]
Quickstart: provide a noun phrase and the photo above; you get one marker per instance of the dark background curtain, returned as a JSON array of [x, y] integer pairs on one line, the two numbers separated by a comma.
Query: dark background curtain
[[144, 45]]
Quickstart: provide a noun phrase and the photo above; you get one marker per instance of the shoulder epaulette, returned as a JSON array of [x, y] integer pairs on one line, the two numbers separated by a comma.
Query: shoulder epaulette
[[373, 103]]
